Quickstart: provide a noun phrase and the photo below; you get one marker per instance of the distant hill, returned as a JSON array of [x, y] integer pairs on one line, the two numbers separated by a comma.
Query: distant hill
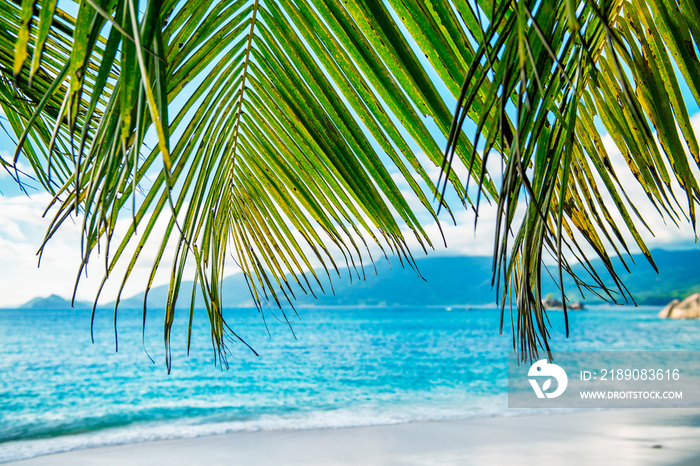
[[53, 302], [446, 281], [678, 277], [458, 280]]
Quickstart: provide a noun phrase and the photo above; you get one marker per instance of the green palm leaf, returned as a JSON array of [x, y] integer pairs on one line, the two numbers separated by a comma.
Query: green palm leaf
[[271, 119], [562, 72], [279, 128]]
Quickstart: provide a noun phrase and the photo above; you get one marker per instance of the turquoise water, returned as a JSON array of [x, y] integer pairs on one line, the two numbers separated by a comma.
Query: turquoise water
[[346, 367]]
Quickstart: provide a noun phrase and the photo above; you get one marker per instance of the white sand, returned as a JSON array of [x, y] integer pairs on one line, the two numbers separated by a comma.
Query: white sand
[[634, 437]]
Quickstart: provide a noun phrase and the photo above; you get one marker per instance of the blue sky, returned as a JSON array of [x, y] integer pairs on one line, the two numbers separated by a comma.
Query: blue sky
[[22, 229]]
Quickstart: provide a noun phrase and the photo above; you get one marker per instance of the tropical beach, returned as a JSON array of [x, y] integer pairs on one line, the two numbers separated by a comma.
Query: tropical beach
[[643, 437], [357, 385], [229, 203]]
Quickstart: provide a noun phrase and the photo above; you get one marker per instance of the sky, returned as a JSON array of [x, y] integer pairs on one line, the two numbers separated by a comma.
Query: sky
[[22, 229]]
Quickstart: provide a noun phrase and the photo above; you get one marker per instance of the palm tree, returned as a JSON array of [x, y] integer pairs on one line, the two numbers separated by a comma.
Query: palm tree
[[279, 128]]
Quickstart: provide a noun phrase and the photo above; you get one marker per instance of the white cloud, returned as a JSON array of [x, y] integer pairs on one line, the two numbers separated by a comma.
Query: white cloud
[[464, 239], [22, 230], [664, 233]]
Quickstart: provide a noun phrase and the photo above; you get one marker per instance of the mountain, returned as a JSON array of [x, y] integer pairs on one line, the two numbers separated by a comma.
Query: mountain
[[443, 281], [460, 280], [53, 302], [446, 280], [678, 277]]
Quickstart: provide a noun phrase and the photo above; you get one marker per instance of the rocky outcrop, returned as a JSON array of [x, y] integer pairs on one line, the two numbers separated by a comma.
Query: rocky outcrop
[[665, 313], [689, 308], [550, 303]]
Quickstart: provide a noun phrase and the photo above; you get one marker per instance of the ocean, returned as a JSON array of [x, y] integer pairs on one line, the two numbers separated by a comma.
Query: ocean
[[338, 367]]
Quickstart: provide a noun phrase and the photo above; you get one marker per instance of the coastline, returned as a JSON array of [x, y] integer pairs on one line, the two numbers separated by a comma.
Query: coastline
[[631, 436]]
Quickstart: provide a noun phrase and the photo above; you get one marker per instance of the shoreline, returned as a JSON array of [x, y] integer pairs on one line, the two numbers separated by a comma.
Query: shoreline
[[627, 436]]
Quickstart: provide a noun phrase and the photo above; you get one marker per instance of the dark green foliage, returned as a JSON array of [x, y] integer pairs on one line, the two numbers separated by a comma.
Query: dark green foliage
[[278, 133]]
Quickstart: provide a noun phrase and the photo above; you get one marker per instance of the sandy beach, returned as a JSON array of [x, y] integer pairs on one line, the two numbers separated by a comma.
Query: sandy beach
[[634, 437]]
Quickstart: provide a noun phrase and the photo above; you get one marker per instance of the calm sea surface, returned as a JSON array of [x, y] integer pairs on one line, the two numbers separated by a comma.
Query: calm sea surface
[[346, 367]]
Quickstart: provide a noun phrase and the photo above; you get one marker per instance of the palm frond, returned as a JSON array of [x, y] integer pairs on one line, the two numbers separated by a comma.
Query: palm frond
[[278, 129], [278, 124], [563, 72]]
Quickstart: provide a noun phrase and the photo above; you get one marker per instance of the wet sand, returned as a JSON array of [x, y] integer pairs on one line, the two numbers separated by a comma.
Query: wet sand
[[634, 437]]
